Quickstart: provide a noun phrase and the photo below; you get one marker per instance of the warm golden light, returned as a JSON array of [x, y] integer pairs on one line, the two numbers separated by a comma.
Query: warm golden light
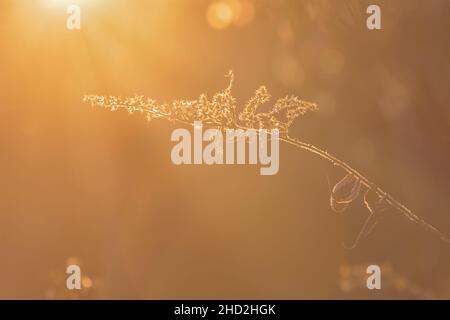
[[244, 12], [219, 14], [99, 190], [66, 3], [87, 282], [222, 14]]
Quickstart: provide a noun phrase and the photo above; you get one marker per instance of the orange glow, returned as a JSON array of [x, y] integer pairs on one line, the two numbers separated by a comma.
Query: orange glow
[[86, 282], [219, 14], [98, 189]]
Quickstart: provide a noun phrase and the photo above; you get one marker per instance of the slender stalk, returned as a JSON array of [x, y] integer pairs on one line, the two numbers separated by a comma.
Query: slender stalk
[[367, 183], [220, 113]]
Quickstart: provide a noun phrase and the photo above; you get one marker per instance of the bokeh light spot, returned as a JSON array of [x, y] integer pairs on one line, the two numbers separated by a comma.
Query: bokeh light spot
[[219, 14]]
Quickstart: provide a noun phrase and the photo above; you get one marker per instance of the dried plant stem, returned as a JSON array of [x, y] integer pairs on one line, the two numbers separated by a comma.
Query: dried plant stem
[[364, 181], [367, 183], [220, 112]]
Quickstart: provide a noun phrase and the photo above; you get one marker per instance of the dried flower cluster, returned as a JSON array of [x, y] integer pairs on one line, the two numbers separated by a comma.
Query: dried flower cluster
[[221, 111]]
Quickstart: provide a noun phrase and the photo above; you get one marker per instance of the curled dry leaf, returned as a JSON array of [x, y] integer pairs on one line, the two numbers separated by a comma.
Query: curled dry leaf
[[344, 193]]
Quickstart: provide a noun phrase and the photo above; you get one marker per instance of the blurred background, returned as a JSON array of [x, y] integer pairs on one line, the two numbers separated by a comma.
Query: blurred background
[[97, 188]]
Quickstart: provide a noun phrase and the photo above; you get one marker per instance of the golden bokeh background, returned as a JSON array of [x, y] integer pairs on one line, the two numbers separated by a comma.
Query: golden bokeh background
[[83, 185]]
